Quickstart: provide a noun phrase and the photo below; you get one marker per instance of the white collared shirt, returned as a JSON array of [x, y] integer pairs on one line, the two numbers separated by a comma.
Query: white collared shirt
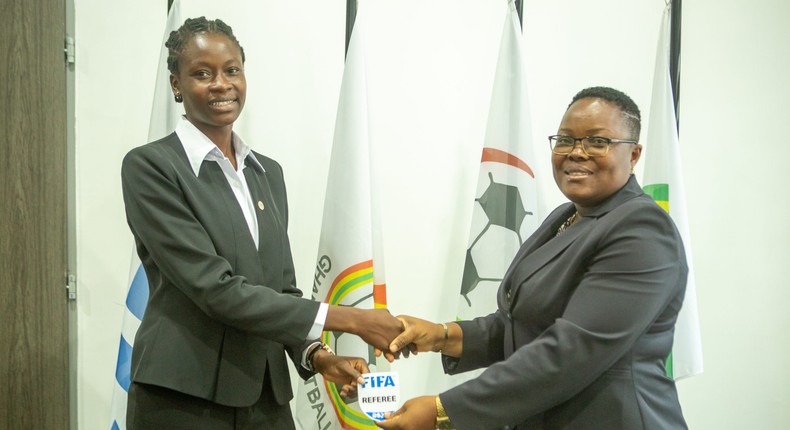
[[199, 148]]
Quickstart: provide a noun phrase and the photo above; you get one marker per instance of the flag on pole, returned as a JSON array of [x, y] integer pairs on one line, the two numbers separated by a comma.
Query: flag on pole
[[134, 309], [165, 112], [506, 201], [664, 182], [349, 270], [164, 115]]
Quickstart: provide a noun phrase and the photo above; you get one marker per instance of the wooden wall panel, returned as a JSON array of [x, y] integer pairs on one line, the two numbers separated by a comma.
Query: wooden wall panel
[[33, 309]]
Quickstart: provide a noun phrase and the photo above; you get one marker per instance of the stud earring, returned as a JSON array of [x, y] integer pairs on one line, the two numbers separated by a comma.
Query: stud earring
[[178, 98]]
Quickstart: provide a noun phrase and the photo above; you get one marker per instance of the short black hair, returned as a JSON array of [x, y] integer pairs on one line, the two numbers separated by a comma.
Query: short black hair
[[630, 110], [193, 26]]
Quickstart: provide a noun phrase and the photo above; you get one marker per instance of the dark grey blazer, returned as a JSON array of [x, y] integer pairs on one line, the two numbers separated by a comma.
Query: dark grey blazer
[[584, 326], [219, 311]]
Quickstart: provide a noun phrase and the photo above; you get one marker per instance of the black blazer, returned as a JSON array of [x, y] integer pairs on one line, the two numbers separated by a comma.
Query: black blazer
[[585, 322], [219, 310]]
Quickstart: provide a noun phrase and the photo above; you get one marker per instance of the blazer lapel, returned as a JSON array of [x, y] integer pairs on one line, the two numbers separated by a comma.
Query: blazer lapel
[[266, 209], [544, 246], [630, 190], [211, 174], [543, 250]]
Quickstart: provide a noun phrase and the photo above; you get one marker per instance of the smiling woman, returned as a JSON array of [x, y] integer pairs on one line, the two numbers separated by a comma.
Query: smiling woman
[[207, 74], [209, 217], [600, 166], [586, 311]]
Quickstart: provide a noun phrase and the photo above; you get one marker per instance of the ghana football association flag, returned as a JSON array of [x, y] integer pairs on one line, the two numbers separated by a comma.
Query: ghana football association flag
[[349, 268], [664, 182], [505, 210]]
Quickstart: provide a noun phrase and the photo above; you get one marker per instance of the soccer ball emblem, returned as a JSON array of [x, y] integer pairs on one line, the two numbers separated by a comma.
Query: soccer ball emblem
[[500, 213]]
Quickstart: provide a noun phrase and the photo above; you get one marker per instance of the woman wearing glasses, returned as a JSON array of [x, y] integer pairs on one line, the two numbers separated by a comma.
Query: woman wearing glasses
[[586, 311]]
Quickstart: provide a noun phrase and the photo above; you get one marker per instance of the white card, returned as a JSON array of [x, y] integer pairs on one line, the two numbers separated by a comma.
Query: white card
[[379, 394]]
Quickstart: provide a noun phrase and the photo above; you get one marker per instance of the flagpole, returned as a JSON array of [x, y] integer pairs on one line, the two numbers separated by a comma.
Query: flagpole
[[351, 16], [520, 10], [674, 55]]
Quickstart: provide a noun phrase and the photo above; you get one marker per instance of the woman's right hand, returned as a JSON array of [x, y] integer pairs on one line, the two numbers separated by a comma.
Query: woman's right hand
[[420, 335], [377, 327]]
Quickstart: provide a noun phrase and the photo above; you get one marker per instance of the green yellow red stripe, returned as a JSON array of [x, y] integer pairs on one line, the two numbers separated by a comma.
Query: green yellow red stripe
[[350, 419], [349, 280], [354, 277]]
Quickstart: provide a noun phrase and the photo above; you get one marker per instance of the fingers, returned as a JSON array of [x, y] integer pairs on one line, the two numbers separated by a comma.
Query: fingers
[[419, 335], [402, 341], [353, 373], [418, 413], [406, 337], [396, 336], [390, 415], [391, 421], [387, 355], [350, 370], [383, 328], [349, 391], [342, 370], [392, 356], [356, 366], [360, 366]]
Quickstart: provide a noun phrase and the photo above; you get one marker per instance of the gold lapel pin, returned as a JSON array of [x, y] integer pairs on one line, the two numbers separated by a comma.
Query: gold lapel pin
[[260, 205]]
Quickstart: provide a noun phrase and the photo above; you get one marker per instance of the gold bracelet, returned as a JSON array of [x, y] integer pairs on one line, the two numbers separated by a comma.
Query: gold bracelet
[[442, 420]]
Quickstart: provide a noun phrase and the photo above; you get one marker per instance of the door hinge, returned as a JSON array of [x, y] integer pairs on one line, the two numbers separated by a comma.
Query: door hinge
[[71, 287], [68, 50]]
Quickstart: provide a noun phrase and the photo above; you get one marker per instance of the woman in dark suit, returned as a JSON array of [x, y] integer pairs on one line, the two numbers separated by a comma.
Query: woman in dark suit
[[586, 311], [209, 217]]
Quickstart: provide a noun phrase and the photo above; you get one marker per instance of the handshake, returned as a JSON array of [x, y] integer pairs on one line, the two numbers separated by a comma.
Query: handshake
[[389, 335]]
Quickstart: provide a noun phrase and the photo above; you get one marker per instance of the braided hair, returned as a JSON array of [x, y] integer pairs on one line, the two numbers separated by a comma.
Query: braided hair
[[630, 110], [193, 26]]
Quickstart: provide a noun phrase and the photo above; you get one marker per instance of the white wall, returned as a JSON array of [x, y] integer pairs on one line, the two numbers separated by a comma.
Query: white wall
[[431, 65], [734, 95], [117, 51]]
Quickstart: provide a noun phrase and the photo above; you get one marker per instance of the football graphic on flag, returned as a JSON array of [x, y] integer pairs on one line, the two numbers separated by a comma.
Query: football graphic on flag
[[502, 218]]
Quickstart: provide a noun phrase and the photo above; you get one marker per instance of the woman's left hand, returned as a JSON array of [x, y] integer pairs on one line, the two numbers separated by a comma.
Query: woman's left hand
[[418, 413], [341, 370]]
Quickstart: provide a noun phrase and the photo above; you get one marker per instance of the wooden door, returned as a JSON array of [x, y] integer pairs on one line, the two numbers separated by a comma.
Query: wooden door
[[34, 381]]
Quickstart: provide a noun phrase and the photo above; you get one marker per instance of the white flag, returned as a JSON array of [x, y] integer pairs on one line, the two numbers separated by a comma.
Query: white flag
[[506, 199], [664, 182], [349, 270], [164, 114]]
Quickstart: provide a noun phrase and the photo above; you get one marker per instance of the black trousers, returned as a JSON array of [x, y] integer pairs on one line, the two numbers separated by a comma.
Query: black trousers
[[151, 407]]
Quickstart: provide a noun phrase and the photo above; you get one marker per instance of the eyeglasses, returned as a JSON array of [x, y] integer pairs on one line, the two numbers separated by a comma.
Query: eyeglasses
[[593, 146]]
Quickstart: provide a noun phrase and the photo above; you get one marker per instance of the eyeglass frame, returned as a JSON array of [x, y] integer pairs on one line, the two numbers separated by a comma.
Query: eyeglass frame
[[609, 142]]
